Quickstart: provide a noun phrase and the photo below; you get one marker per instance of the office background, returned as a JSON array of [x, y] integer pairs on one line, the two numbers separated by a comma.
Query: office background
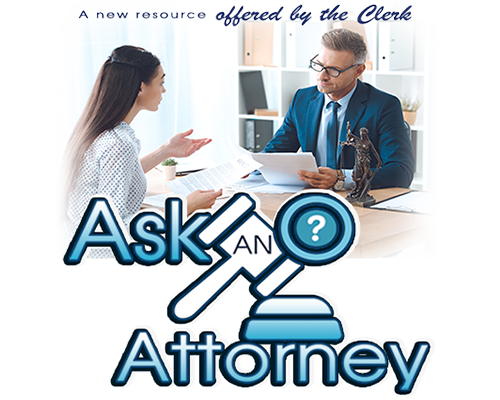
[[203, 88], [201, 69]]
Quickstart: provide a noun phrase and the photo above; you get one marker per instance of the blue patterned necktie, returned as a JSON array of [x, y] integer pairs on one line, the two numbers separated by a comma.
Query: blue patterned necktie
[[332, 136]]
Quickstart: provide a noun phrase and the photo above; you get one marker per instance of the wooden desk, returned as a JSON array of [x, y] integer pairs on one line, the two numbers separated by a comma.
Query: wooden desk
[[382, 232]]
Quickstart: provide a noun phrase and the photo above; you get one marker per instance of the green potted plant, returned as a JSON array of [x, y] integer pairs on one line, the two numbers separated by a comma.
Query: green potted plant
[[401, 4], [169, 168], [410, 108]]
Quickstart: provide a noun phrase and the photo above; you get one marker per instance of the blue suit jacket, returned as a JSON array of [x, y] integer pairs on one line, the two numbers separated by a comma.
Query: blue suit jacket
[[369, 107]]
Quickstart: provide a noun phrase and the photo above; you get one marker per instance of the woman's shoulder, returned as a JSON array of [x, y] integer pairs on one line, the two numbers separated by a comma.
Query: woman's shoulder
[[122, 135], [122, 132]]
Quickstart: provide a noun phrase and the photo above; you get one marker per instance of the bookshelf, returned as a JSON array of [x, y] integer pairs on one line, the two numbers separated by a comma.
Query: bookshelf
[[282, 80], [421, 81]]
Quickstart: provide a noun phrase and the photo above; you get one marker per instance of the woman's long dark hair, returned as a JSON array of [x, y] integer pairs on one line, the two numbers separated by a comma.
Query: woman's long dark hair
[[112, 97]]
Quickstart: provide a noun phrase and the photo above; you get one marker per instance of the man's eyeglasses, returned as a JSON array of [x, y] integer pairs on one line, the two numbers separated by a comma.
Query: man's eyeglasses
[[318, 67]]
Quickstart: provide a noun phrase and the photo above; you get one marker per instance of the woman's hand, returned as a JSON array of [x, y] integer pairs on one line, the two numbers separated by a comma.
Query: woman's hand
[[200, 199], [178, 146], [181, 146]]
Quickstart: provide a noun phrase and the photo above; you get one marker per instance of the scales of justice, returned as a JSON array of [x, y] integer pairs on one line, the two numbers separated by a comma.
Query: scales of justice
[[362, 175]]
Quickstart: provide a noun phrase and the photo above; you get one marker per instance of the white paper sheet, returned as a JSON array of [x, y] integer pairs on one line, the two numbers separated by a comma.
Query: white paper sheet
[[193, 163], [268, 188], [157, 200], [251, 182], [258, 184], [417, 202], [215, 178], [238, 150], [281, 168]]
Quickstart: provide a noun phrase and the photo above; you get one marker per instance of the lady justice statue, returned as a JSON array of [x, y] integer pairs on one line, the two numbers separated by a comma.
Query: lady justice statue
[[362, 175]]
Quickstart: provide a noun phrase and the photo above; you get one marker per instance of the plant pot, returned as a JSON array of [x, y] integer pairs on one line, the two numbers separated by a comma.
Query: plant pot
[[410, 116], [169, 172]]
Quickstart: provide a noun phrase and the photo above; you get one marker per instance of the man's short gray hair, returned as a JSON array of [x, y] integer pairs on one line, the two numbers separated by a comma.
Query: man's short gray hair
[[344, 39]]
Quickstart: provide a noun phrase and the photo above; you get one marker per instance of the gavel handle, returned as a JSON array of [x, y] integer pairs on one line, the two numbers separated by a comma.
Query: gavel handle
[[186, 306], [278, 277]]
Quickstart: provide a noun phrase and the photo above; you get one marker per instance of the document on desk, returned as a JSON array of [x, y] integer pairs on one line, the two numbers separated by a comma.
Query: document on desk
[[281, 168], [413, 202], [216, 177], [257, 183], [277, 189], [157, 200], [192, 164], [251, 182]]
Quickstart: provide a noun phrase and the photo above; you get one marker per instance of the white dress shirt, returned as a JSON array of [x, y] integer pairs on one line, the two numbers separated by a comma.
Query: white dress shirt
[[326, 114]]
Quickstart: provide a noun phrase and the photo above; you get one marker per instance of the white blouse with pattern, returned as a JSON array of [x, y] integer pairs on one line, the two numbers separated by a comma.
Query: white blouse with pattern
[[111, 166]]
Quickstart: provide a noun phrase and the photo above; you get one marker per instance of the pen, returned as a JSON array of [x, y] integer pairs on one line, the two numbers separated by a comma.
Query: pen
[[399, 208]]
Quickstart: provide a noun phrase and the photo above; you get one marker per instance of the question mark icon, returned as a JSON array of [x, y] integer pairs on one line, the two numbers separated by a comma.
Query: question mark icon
[[322, 222], [339, 231]]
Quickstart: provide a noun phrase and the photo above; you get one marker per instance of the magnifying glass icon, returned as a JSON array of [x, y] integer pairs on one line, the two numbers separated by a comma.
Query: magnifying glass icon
[[314, 228]]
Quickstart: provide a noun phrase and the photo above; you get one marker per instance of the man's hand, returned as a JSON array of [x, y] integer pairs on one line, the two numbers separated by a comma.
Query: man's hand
[[181, 146], [325, 178]]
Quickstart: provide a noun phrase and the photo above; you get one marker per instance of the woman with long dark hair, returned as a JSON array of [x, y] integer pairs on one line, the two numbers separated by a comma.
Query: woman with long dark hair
[[103, 153]]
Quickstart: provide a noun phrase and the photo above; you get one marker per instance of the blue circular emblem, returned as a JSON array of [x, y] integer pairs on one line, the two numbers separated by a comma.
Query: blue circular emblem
[[315, 228]]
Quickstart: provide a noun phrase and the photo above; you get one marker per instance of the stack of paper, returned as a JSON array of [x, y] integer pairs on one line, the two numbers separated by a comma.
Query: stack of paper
[[280, 169], [416, 202], [214, 178]]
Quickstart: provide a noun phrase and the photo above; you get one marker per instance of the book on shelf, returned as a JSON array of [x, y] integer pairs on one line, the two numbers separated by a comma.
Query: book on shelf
[[254, 94], [265, 112], [257, 134]]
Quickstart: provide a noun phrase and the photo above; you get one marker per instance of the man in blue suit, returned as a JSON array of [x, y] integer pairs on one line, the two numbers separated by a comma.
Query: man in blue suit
[[313, 125]]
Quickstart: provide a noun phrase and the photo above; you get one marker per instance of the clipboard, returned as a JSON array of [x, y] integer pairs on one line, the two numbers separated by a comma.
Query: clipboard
[[411, 202]]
